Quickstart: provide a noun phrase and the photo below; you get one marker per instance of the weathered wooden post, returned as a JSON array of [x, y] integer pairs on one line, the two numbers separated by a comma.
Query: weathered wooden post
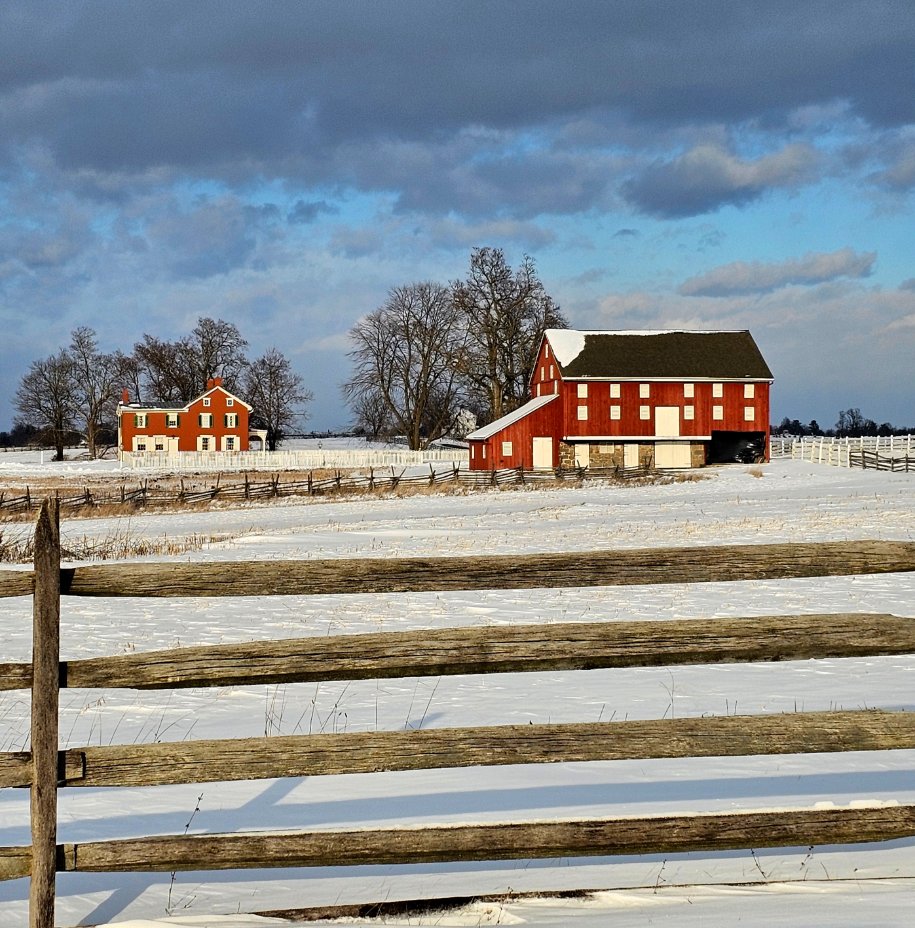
[[45, 690]]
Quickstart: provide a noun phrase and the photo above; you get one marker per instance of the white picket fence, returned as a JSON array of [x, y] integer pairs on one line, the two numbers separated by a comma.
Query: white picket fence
[[313, 459], [845, 452]]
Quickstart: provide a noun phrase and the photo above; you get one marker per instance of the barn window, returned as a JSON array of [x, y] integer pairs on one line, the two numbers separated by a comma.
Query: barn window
[[718, 412], [206, 401], [542, 372], [689, 390], [141, 446], [644, 412], [546, 350], [582, 391], [689, 412], [614, 391], [539, 389], [644, 391], [614, 412], [551, 372], [582, 413], [484, 452], [555, 386], [749, 414], [506, 449], [717, 389], [473, 452], [749, 391]]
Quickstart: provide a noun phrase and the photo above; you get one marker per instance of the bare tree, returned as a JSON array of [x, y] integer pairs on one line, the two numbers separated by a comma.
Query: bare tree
[[403, 358], [219, 351], [276, 392], [505, 313], [176, 372], [372, 415], [97, 378], [47, 398]]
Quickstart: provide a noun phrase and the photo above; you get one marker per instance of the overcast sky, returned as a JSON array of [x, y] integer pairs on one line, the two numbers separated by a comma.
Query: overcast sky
[[715, 164]]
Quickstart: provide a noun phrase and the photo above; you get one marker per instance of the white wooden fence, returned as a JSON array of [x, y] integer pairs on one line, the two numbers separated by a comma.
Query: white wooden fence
[[314, 459], [845, 452]]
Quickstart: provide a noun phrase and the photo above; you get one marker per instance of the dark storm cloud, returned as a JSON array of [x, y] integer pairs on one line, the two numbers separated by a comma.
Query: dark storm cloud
[[292, 89], [707, 178]]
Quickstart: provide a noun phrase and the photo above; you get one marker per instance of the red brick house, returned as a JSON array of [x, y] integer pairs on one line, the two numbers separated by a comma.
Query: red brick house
[[215, 421], [624, 399]]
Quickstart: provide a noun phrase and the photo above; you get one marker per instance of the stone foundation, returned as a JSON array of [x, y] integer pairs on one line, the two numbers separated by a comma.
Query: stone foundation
[[606, 455]]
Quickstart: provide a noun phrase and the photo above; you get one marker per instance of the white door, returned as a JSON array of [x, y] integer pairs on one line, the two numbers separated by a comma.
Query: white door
[[582, 455], [671, 454], [172, 445], [630, 455], [543, 452], [667, 421]]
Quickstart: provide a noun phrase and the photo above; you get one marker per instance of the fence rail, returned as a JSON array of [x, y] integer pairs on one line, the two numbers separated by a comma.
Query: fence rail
[[151, 494], [891, 453], [469, 650], [286, 460]]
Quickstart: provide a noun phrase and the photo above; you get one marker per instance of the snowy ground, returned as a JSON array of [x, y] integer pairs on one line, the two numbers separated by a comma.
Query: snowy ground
[[793, 501]]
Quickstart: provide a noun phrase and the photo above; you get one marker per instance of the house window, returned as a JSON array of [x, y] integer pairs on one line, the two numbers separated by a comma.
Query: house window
[[172, 420], [717, 389], [141, 446], [749, 391], [139, 420], [206, 401], [230, 401], [205, 420], [749, 414], [644, 390], [718, 412], [689, 412], [614, 412], [614, 391], [229, 442], [159, 444], [582, 391], [582, 413], [506, 449], [689, 390], [231, 420], [644, 412], [204, 442]]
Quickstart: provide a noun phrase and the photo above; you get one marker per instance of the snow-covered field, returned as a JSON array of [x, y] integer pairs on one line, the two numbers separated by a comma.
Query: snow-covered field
[[792, 501]]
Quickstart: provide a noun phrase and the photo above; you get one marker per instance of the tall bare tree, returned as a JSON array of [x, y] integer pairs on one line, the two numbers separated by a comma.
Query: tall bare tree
[[403, 359], [277, 394], [505, 313], [47, 398], [97, 379], [174, 372]]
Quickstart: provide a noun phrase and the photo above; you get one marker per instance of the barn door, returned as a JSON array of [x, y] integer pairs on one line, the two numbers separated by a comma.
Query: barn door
[[582, 455], [630, 455], [671, 454], [667, 421], [543, 452]]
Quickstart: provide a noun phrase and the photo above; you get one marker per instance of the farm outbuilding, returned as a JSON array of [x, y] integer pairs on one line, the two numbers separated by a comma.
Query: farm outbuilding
[[664, 399]]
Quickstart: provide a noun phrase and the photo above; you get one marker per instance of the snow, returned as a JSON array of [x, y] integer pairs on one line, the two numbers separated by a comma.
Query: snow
[[568, 344], [792, 501]]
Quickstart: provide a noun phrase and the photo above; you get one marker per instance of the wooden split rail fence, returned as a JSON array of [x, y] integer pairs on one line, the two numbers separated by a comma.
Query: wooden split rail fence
[[148, 494], [46, 769]]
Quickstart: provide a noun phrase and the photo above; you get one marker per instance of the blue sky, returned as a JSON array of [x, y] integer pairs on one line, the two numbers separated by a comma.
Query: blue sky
[[668, 164]]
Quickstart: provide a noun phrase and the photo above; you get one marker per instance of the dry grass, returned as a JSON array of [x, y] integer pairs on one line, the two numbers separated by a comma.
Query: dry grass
[[755, 471]]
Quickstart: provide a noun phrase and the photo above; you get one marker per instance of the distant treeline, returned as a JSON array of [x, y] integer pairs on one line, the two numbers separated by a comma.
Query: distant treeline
[[850, 424]]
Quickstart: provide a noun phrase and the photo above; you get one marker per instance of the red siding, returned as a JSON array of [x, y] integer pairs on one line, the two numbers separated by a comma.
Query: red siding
[[544, 422]]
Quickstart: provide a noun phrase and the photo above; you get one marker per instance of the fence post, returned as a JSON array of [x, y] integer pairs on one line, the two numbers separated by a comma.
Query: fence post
[[44, 735]]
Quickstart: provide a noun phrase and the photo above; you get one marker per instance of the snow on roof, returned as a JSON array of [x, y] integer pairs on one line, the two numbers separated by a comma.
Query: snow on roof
[[487, 431], [568, 344]]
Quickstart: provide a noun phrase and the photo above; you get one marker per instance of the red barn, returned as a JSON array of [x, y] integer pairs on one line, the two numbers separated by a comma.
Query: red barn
[[625, 399], [215, 421]]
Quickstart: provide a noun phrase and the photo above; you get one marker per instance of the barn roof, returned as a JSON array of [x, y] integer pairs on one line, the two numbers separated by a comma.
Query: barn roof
[[652, 354], [487, 431]]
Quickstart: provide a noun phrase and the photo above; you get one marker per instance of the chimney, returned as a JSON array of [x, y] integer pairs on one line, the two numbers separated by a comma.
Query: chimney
[[211, 383], [125, 397], [217, 381]]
